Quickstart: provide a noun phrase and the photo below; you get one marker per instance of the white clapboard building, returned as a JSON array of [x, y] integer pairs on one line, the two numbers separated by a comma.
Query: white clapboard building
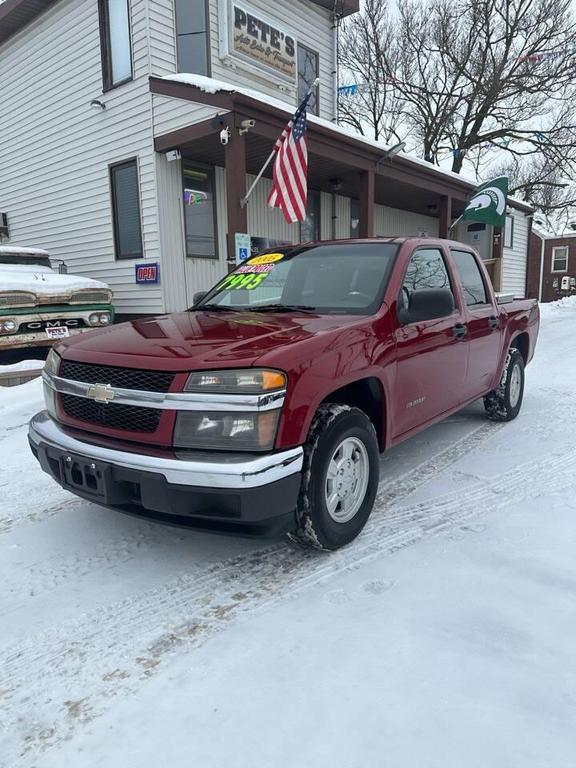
[[114, 118]]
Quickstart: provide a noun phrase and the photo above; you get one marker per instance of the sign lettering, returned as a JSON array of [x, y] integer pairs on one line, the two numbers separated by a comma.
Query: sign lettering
[[263, 43], [147, 273]]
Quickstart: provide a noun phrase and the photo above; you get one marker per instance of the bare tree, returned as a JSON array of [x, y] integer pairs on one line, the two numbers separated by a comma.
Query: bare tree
[[490, 82], [371, 105]]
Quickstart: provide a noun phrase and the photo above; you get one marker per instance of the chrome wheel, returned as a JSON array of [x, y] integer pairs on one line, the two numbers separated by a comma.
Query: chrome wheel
[[515, 385], [347, 480]]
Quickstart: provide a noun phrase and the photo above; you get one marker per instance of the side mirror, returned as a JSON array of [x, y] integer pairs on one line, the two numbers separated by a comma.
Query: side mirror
[[427, 304], [198, 297]]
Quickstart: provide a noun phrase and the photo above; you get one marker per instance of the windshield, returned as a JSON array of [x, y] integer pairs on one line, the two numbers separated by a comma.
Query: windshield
[[328, 279], [25, 259]]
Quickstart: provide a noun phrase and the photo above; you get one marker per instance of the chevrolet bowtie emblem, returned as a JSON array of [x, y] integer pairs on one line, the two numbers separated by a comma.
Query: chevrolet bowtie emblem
[[101, 393]]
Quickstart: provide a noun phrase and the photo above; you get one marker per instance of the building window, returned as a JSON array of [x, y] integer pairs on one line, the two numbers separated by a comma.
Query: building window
[[354, 218], [560, 259], [470, 278], [115, 45], [192, 36], [126, 210], [199, 215], [308, 71], [310, 227], [509, 232]]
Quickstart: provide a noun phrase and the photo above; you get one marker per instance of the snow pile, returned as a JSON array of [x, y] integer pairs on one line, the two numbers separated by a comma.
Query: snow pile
[[21, 397], [15, 250], [42, 281], [554, 309], [23, 365]]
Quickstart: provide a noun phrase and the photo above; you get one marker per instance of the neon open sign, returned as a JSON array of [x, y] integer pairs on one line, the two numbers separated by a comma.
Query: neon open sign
[[147, 273]]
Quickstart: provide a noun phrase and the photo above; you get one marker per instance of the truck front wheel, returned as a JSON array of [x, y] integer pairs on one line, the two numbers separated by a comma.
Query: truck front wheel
[[339, 479], [504, 403]]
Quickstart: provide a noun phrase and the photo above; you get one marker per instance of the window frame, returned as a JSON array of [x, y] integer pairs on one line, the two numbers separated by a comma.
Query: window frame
[[451, 280], [487, 294], [111, 169], [558, 248], [208, 72], [509, 220], [300, 46], [106, 49], [211, 172]]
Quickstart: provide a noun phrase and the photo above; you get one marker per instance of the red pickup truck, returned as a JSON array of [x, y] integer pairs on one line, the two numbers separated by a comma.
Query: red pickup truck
[[265, 406]]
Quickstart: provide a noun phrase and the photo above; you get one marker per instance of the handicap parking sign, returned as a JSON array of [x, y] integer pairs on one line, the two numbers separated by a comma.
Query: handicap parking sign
[[242, 242]]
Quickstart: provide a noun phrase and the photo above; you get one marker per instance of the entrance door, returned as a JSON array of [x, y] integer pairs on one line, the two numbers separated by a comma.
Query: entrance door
[[432, 354], [484, 335]]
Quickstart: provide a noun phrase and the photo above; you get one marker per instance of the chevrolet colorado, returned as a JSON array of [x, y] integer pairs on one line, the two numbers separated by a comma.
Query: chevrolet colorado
[[265, 406]]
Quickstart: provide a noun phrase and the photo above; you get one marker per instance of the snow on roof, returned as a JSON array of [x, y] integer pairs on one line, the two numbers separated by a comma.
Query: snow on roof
[[549, 235], [15, 250], [212, 86]]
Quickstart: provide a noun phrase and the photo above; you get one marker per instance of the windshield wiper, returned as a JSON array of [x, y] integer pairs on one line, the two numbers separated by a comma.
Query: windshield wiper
[[283, 308], [214, 308]]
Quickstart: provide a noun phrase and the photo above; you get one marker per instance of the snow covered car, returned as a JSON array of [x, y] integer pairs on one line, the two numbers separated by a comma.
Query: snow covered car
[[38, 305]]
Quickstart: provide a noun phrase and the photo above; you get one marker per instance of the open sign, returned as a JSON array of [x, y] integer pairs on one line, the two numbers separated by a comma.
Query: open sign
[[147, 273]]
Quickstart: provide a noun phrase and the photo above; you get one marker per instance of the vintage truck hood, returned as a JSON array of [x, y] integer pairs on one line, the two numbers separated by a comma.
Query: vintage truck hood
[[43, 281], [197, 340]]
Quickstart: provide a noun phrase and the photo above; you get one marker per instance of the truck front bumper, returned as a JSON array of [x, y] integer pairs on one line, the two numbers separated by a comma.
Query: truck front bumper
[[233, 493]]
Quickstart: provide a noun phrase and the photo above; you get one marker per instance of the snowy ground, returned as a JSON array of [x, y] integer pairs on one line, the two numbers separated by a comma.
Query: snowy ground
[[443, 638]]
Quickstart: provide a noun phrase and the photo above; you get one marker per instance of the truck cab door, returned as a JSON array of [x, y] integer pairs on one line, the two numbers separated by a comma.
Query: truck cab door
[[431, 355], [483, 321]]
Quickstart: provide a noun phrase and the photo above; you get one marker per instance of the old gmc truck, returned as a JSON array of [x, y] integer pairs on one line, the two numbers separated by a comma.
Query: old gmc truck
[[266, 405]]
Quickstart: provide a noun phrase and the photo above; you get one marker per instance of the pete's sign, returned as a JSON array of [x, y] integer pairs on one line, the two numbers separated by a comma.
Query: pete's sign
[[262, 43]]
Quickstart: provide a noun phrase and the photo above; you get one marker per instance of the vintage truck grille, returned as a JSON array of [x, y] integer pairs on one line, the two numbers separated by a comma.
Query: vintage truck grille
[[124, 378], [40, 325], [129, 418]]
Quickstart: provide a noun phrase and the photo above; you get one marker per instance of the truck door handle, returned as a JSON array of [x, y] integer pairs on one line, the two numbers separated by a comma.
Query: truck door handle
[[460, 330], [493, 322]]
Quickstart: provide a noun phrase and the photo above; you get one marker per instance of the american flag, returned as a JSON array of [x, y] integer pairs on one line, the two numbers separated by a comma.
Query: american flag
[[290, 189]]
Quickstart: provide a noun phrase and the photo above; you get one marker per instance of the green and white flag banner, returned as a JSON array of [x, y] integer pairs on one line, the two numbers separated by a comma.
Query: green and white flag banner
[[488, 202]]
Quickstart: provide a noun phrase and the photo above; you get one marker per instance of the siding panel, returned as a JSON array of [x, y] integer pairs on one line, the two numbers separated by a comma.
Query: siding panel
[[393, 221], [55, 150], [514, 260]]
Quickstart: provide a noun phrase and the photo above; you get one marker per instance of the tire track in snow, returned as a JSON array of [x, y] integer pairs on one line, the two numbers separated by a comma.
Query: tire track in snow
[[81, 664], [47, 575]]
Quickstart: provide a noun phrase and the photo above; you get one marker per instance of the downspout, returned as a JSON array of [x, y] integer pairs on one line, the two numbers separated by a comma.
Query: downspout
[[335, 30], [541, 281]]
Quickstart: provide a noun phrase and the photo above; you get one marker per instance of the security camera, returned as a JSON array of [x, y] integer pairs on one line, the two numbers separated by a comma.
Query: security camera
[[224, 136], [245, 126]]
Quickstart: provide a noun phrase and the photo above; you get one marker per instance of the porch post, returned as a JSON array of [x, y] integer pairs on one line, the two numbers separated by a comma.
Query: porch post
[[367, 203], [235, 165], [445, 216]]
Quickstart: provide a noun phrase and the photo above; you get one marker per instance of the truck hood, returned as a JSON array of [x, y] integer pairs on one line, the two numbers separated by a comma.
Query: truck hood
[[198, 340], [43, 281]]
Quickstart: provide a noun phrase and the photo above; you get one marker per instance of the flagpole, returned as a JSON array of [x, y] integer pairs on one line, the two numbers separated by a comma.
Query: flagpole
[[244, 200], [455, 222]]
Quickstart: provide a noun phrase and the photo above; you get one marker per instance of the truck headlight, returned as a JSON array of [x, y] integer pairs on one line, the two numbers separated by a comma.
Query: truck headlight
[[220, 431], [99, 318], [51, 366], [248, 381], [8, 326]]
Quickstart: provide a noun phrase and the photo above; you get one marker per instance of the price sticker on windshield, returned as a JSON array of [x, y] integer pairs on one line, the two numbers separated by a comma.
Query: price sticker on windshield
[[266, 258], [242, 280]]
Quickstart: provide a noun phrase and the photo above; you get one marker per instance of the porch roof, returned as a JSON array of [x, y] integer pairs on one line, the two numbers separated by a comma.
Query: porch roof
[[402, 181]]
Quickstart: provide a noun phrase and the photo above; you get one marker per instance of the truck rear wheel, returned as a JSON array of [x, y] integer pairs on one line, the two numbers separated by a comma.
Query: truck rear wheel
[[504, 403], [339, 479]]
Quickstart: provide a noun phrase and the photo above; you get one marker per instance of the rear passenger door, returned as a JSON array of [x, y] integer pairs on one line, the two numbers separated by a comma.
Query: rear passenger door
[[431, 355], [482, 321]]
